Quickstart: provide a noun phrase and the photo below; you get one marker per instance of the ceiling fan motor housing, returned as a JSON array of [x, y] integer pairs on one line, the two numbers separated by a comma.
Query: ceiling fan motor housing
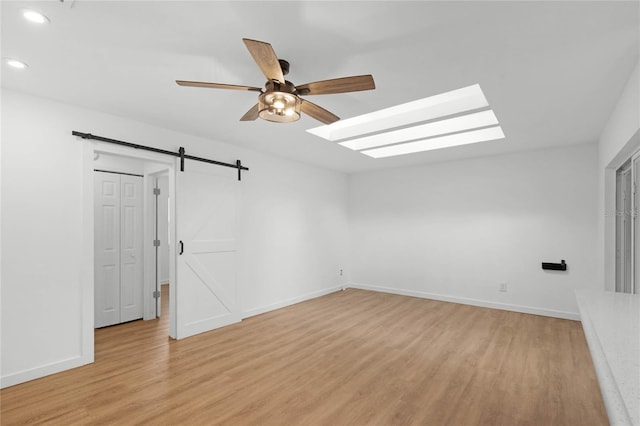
[[284, 66], [279, 103]]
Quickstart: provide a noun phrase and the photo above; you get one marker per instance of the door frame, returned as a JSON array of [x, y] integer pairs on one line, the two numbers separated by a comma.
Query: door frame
[[153, 263], [627, 243], [150, 260], [623, 238], [89, 150], [608, 208]]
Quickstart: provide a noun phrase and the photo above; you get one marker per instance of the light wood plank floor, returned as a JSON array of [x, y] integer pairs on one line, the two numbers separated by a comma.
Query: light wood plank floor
[[352, 357]]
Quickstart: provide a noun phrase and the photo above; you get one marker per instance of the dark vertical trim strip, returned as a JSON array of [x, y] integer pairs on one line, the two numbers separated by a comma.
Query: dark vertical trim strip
[[181, 151]]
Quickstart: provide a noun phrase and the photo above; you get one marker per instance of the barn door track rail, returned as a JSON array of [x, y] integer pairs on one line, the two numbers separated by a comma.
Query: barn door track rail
[[181, 152]]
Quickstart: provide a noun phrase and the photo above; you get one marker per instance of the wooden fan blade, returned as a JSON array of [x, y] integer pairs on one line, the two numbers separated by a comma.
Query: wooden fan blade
[[266, 59], [319, 113], [338, 85], [250, 115], [216, 85]]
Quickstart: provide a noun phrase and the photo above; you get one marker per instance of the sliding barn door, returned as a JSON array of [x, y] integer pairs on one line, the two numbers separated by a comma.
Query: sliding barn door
[[206, 248]]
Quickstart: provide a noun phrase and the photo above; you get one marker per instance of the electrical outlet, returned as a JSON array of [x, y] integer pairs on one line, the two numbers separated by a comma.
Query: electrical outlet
[[340, 272], [503, 287]]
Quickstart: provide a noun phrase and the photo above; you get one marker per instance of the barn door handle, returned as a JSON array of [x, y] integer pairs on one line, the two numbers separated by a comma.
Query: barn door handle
[[181, 247]]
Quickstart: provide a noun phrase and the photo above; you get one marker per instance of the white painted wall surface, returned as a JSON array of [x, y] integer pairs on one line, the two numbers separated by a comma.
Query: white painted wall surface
[[619, 139], [624, 121], [455, 231], [41, 244], [306, 240], [294, 217]]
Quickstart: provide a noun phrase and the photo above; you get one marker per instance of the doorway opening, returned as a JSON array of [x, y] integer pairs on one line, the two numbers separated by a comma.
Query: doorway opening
[[205, 258], [154, 260]]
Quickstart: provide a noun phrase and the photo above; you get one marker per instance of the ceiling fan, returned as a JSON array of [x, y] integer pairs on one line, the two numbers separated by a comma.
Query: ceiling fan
[[280, 99]]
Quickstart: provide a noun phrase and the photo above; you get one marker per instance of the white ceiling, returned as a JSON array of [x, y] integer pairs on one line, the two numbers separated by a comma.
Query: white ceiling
[[551, 71]]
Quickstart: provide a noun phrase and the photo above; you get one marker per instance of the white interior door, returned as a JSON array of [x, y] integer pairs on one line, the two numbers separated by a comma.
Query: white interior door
[[118, 238], [131, 261], [107, 249], [206, 248]]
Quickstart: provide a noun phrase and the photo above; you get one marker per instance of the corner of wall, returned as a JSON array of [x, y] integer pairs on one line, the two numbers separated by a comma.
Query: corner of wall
[[619, 139]]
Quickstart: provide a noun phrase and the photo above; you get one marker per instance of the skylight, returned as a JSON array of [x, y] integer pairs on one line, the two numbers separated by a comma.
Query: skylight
[[453, 118], [440, 127], [489, 134]]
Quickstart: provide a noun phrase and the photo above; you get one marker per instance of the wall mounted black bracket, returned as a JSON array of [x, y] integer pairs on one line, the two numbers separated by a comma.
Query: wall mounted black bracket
[[562, 266], [181, 153]]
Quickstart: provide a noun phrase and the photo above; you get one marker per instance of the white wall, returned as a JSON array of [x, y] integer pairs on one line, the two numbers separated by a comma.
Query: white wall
[[295, 232], [624, 121], [454, 231], [294, 217], [619, 139]]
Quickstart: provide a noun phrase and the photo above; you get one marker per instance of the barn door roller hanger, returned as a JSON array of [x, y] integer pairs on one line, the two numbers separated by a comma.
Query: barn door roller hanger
[[181, 152]]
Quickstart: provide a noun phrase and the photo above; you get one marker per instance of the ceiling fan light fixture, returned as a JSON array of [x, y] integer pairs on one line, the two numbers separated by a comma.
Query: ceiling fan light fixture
[[279, 107], [280, 100]]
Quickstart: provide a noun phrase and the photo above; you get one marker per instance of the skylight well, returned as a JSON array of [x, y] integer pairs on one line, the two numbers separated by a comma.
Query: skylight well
[[449, 119]]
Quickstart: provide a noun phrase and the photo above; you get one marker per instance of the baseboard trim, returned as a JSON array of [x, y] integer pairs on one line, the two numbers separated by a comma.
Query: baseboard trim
[[205, 325], [468, 301], [43, 370], [289, 302]]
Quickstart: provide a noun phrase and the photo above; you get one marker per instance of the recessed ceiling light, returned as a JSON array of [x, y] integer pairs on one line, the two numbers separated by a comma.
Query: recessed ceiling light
[[15, 63], [448, 103], [482, 135], [33, 16], [441, 127]]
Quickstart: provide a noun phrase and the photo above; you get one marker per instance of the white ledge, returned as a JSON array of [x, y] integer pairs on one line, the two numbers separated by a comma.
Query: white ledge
[[611, 323]]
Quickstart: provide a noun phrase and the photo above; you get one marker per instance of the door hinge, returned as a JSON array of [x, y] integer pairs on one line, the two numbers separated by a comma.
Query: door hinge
[[156, 243], [156, 191], [156, 294]]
